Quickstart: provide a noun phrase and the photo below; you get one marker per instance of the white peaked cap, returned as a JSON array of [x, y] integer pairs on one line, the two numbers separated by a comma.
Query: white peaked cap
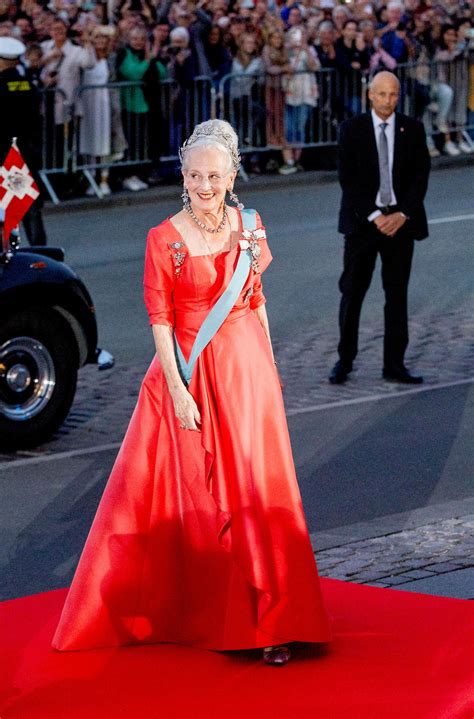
[[11, 48]]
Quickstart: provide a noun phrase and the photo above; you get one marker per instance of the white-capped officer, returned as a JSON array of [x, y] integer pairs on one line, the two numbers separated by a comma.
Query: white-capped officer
[[20, 117]]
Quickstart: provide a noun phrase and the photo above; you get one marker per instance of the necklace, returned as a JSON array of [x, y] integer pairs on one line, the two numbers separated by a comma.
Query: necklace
[[202, 225], [212, 250]]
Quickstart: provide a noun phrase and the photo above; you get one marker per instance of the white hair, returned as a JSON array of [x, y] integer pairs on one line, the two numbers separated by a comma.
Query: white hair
[[214, 133], [179, 33], [341, 9], [394, 5], [326, 25]]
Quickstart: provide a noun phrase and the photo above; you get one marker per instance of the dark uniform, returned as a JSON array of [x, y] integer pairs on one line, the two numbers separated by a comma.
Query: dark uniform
[[20, 117]]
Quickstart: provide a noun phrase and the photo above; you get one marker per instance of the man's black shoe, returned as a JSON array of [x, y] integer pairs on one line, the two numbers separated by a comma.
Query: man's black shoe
[[339, 373], [403, 376]]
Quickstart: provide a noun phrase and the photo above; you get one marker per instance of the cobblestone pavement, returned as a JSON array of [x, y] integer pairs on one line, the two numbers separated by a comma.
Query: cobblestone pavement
[[401, 557], [440, 348]]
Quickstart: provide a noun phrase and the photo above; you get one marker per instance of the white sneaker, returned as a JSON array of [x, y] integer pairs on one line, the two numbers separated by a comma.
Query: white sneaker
[[105, 189], [287, 169], [451, 149], [464, 146], [90, 191], [434, 152], [132, 183], [142, 185]]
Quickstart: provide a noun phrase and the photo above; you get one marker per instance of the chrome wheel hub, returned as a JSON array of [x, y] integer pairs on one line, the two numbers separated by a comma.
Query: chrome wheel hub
[[18, 378], [27, 378]]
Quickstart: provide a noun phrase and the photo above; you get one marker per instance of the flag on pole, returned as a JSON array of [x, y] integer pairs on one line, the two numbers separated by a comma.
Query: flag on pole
[[18, 190]]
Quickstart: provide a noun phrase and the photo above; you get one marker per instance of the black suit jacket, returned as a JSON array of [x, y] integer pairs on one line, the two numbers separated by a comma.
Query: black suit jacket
[[20, 117], [359, 173]]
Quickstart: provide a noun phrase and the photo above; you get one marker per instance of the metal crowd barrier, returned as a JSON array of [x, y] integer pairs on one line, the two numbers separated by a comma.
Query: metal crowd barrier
[[439, 94], [126, 124], [181, 108], [266, 114], [107, 130], [56, 116], [130, 135]]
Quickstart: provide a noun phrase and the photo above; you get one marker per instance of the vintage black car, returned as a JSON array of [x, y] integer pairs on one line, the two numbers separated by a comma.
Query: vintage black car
[[48, 330]]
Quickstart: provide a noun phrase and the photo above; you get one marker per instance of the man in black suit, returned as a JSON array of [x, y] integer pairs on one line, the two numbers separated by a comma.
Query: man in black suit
[[383, 165]]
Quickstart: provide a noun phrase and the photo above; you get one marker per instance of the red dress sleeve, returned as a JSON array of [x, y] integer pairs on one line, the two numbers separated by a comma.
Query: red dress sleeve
[[158, 280], [258, 298]]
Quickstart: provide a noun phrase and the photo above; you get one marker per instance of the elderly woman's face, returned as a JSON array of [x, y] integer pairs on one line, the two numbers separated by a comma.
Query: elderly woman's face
[[326, 36], [137, 39], [340, 16], [101, 43], [207, 176], [180, 41]]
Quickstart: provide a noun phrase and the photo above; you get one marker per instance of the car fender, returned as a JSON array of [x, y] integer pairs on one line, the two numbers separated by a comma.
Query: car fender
[[33, 280]]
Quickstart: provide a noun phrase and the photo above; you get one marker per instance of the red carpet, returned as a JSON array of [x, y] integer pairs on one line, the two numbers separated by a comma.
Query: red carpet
[[396, 655]]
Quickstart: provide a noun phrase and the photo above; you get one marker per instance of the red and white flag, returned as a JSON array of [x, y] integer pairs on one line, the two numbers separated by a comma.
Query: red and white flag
[[18, 190]]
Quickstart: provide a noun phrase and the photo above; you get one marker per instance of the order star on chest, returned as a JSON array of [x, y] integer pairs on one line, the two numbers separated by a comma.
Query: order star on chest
[[250, 242]]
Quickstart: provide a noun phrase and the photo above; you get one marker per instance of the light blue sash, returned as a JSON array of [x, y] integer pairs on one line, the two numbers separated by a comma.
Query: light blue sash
[[220, 311]]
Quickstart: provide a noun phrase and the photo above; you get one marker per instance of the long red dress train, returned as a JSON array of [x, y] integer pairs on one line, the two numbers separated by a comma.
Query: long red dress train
[[200, 538]]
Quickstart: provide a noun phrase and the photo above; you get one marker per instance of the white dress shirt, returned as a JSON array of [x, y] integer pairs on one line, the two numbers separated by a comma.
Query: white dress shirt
[[390, 134]]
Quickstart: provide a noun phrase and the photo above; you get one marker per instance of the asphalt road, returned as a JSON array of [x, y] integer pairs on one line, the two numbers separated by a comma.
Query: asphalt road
[[107, 248], [366, 452]]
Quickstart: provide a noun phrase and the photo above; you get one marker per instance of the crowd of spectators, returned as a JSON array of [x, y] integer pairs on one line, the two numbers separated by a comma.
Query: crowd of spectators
[[291, 59]]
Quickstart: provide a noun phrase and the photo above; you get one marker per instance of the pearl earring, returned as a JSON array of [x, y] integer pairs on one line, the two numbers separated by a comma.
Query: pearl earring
[[235, 200]]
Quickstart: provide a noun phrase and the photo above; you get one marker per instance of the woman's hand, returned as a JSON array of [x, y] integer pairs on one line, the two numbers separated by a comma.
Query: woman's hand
[[55, 54], [186, 411], [50, 80], [185, 407]]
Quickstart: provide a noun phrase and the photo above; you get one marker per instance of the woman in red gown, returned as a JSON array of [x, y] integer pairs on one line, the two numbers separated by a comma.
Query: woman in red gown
[[200, 536]]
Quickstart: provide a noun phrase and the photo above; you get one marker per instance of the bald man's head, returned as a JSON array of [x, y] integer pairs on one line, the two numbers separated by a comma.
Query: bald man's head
[[384, 91], [385, 77]]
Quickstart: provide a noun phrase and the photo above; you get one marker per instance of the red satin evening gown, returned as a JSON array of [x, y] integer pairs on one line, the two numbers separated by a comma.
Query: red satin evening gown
[[200, 538]]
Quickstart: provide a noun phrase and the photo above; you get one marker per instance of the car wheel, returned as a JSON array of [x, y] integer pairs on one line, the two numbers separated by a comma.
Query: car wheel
[[38, 375]]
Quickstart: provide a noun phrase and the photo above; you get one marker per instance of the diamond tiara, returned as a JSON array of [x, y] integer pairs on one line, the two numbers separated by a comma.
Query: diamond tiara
[[215, 134]]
